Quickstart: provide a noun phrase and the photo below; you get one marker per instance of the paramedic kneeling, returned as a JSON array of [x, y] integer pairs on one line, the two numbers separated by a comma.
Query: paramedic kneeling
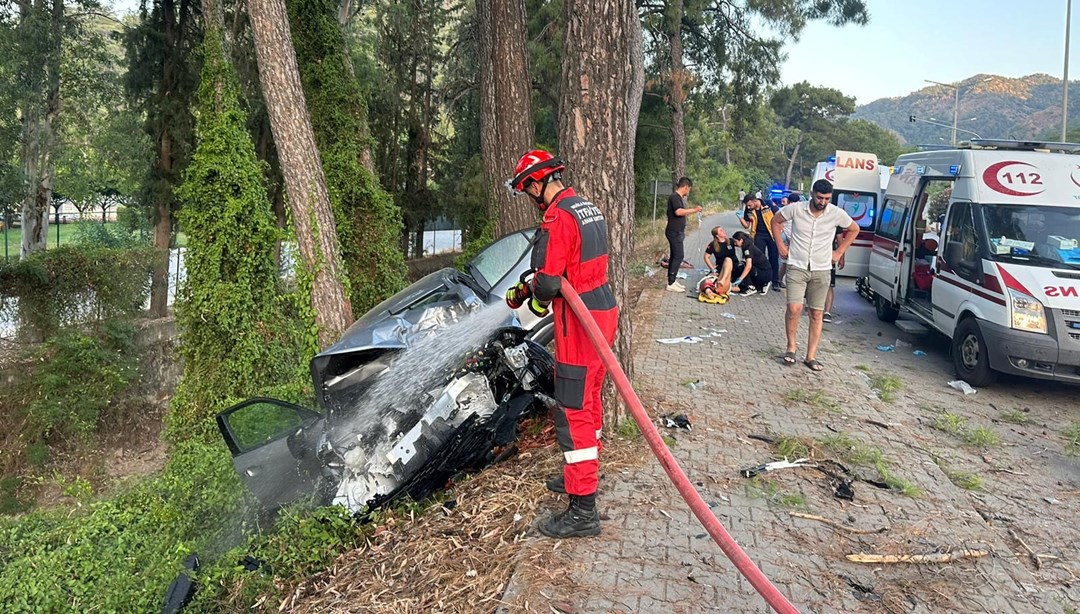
[[810, 257]]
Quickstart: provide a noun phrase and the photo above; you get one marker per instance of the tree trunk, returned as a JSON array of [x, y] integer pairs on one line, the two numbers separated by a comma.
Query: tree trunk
[[39, 134], [602, 82], [301, 168], [677, 88], [506, 128], [791, 161], [159, 275]]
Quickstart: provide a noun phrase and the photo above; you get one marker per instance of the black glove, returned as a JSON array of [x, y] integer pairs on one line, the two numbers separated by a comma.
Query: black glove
[[517, 294]]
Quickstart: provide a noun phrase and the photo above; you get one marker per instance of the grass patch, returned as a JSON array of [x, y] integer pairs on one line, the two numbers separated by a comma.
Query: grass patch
[[957, 426], [669, 441], [1015, 417], [863, 368], [886, 386], [1072, 439], [792, 448], [855, 452], [950, 423], [628, 429], [761, 488], [814, 398], [963, 479]]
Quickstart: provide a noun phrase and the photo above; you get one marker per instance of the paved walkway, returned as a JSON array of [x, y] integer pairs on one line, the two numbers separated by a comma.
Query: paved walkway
[[654, 556]]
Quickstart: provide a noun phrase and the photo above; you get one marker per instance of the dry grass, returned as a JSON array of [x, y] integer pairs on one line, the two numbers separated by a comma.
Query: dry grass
[[452, 560]]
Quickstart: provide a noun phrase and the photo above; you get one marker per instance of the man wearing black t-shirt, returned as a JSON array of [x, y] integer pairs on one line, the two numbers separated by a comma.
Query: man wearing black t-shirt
[[676, 229]]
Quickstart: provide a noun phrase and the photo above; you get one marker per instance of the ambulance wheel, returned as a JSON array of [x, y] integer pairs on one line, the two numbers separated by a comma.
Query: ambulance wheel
[[886, 312], [970, 356]]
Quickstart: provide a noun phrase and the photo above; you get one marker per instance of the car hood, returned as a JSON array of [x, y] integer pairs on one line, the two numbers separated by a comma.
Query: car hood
[[431, 303]]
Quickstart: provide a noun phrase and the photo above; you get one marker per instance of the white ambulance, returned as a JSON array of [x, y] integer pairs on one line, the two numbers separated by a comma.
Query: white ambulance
[[1003, 281], [858, 183]]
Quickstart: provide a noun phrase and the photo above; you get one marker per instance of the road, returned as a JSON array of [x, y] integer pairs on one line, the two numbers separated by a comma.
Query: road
[[987, 475]]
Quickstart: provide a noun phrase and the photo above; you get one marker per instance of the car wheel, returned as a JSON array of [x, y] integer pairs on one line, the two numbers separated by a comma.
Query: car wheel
[[971, 360], [886, 311]]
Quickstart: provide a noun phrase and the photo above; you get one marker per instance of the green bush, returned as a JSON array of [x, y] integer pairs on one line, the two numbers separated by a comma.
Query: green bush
[[120, 555], [74, 285], [75, 378], [236, 337]]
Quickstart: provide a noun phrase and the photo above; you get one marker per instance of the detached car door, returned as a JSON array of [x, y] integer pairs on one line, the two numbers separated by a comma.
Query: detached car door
[[273, 444]]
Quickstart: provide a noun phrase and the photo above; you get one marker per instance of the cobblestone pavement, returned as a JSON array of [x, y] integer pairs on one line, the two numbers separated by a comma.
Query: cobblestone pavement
[[986, 472]]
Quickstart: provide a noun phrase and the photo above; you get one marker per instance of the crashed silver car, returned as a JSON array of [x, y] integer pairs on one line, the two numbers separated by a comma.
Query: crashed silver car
[[426, 385]]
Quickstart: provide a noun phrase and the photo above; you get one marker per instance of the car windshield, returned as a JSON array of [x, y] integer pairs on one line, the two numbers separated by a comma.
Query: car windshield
[[1037, 235], [499, 258]]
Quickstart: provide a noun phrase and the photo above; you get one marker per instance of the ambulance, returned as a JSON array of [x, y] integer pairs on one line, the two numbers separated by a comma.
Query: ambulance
[[858, 183], [1001, 278]]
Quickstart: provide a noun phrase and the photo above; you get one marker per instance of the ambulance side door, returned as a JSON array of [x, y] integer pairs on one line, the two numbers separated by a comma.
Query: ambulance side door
[[886, 255], [958, 267]]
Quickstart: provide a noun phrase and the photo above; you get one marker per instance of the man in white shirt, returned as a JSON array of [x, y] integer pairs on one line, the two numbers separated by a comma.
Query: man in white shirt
[[810, 257]]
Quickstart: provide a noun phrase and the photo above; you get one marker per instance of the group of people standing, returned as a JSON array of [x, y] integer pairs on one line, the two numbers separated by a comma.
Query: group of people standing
[[795, 245]]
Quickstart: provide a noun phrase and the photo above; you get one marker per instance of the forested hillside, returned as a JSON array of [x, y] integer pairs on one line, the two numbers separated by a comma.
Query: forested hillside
[[990, 106]]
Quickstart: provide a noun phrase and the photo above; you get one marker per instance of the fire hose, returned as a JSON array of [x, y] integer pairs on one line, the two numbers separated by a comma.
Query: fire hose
[[776, 600]]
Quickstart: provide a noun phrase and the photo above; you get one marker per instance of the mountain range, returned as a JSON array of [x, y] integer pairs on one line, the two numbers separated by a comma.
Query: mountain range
[[991, 106]]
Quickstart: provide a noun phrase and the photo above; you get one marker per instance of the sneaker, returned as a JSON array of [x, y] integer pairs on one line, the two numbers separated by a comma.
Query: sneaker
[[676, 287], [765, 289], [827, 317]]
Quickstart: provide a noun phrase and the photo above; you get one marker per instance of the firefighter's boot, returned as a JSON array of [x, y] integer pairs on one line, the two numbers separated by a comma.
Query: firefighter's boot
[[557, 484], [579, 520]]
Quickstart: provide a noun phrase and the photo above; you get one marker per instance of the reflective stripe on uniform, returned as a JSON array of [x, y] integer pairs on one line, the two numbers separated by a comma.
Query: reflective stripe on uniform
[[599, 433], [582, 455]]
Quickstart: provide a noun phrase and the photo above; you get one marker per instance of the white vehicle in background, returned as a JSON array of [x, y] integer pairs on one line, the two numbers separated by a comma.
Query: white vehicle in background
[[1003, 281], [859, 182]]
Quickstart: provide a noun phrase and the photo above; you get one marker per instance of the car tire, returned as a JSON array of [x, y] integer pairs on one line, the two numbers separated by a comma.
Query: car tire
[[971, 360], [886, 311]]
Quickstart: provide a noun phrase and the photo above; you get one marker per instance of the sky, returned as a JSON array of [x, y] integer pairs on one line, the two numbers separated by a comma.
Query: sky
[[907, 41]]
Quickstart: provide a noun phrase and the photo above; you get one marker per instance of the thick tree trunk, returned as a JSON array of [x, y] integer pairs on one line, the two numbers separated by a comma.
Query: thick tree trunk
[[791, 161], [506, 128], [602, 82], [159, 276], [677, 88], [301, 168]]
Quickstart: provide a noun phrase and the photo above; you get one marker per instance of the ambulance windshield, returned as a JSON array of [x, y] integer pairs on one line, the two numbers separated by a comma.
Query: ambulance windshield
[[1036, 235]]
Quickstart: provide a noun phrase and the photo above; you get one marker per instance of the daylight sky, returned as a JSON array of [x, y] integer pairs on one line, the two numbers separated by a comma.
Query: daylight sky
[[907, 41]]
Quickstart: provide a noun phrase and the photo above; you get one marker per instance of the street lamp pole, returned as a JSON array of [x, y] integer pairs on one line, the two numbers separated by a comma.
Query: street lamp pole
[[956, 104], [1065, 80]]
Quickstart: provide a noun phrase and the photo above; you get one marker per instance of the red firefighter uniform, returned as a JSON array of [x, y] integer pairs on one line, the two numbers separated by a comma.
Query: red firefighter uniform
[[572, 247]]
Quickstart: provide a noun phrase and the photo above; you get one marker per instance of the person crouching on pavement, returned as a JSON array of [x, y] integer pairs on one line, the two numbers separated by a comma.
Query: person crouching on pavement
[[571, 247], [756, 272]]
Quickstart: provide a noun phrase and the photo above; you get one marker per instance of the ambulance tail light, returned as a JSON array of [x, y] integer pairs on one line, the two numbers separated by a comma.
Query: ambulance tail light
[[1027, 312]]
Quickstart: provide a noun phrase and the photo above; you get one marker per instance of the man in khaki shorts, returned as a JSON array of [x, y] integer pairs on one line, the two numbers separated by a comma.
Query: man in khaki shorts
[[810, 256]]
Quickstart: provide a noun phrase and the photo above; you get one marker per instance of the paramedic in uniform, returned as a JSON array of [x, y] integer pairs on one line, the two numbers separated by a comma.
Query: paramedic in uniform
[[810, 259], [571, 248]]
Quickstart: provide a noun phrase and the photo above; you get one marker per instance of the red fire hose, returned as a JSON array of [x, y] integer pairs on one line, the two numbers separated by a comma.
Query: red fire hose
[[746, 567]]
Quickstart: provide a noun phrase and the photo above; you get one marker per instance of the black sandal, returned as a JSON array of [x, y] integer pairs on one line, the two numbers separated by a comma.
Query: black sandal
[[813, 364], [789, 358]]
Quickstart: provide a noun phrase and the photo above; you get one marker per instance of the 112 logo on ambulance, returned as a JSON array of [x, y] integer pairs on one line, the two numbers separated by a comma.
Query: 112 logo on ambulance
[[1014, 178]]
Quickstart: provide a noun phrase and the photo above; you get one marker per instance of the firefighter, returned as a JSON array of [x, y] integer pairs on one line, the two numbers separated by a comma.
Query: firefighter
[[571, 247]]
